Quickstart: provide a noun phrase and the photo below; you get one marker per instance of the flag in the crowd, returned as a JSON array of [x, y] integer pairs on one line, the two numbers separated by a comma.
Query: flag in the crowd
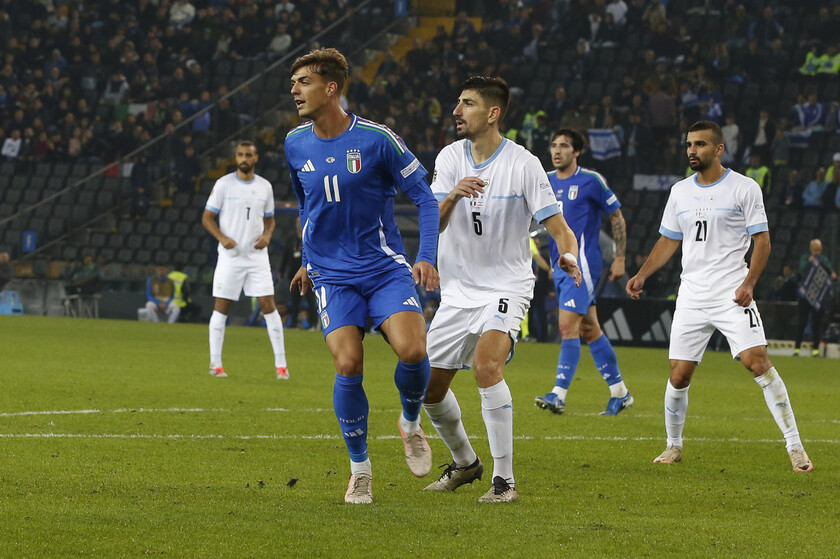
[[604, 143], [799, 138]]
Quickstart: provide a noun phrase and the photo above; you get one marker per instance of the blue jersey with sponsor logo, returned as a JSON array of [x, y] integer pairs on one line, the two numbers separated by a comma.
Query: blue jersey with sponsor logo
[[583, 197], [345, 188]]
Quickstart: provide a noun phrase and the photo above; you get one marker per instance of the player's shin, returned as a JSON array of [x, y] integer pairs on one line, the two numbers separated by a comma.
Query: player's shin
[[217, 337], [274, 325], [446, 418], [351, 409], [605, 359], [566, 365], [776, 397], [676, 407], [497, 412], [411, 380]]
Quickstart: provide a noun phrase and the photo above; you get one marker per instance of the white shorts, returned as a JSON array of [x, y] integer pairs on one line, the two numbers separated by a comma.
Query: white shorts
[[234, 274], [692, 329], [454, 332]]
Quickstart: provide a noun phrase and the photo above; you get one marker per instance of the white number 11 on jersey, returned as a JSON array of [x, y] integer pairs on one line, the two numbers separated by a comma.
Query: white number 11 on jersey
[[334, 193]]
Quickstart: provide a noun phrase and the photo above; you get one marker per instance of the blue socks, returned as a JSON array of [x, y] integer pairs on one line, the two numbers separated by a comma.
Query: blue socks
[[351, 409], [604, 356], [568, 362], [412, 379]]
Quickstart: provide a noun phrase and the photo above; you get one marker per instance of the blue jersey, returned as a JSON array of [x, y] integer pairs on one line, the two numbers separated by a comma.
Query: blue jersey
[[346, 187], [583, 197]]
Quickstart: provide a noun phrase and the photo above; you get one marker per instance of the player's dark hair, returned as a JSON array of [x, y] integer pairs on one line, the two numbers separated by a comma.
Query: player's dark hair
[[576, 139], [493, 91], [328, 63], [248, 144], [717, 133]]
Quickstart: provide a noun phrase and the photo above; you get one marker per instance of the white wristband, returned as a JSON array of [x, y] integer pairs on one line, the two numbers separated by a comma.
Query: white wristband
[[570, 256]]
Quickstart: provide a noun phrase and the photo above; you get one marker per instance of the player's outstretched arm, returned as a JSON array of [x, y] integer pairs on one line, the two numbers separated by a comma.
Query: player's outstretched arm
[[662, 251], [619, 234], [761, 252], [208, 220], [567, 245], [301, 282], [469, 187]]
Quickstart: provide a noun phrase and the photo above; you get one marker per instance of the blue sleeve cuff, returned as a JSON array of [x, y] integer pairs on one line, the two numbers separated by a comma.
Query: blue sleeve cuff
[[675, 235], [439, 196], [758, 228], [269, 214], [546, 212], [211, 209]]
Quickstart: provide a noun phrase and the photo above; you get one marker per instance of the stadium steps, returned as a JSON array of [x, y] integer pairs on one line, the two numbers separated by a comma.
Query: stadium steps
[[435, 8], [425, 29]]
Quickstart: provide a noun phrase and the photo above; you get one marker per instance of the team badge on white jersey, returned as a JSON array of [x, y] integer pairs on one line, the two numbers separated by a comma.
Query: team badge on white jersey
[[354, 160]]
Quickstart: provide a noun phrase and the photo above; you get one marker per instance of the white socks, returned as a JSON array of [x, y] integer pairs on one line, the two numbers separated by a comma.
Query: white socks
[[409, 426], [497, 411], [676, 406], [446, 418], [217, 337], [361, 467], [561, 392], [274, 325], [776, 396], [618, 390]]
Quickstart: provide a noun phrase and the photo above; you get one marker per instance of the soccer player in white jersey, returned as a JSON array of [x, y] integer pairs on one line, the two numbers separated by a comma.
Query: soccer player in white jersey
[[486, 278], [244, 202], [713, 214]]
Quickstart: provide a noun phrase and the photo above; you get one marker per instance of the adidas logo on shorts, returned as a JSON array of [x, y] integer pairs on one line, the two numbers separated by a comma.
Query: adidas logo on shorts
[[411, 302]]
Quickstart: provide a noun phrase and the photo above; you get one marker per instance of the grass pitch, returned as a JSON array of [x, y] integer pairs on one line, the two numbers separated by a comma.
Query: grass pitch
[[116, 442]]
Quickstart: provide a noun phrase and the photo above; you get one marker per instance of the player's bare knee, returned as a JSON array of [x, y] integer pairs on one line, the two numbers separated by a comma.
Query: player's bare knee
[[348, 367], [590, 332], [681, 373], [488, 371], [267, 305]]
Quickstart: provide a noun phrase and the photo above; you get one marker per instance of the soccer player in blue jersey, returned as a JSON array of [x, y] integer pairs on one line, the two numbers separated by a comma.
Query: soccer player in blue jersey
[[583, 195], [345, 171]]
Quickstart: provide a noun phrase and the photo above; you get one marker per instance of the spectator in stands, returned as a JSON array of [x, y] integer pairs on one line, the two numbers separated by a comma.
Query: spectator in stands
[[761, 133], [85, 278], [11, 147], [7, 271], [814, 257], [784, 285], [810, 113], [181, 13], [618, 9], [765, 29], [791, 191], [731, 136], [831, 65], [760, 173], [780, 149], [639, 142], [654, 14], [777, 65], [814, 60], [187, 170], [812, 196], [160, 297], [116, 89]]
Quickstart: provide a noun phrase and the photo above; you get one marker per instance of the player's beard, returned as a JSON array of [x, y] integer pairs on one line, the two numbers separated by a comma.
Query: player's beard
[[245, 168], [699, 166]]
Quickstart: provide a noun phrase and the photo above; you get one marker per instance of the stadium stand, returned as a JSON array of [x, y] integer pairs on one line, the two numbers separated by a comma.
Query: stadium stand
[[87, 85]]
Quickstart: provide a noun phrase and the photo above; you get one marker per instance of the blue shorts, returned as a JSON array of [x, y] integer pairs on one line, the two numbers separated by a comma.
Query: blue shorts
[[376, 296], [572, 298]]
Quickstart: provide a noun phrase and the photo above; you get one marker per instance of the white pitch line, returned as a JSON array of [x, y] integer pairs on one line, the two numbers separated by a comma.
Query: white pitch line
[[377, 438], [377, 411]]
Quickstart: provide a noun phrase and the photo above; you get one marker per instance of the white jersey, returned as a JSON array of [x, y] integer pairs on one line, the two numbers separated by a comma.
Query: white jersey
[[484, 250], [242, 207], [715, 223]]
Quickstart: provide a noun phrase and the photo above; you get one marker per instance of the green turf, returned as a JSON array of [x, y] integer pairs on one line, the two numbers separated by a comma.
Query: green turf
[[169, 461]]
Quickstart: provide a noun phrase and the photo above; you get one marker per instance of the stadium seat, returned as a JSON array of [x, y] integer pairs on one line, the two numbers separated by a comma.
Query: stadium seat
[[152, 242], [144, 227], [43, 169], [181, 229], [163, 228]]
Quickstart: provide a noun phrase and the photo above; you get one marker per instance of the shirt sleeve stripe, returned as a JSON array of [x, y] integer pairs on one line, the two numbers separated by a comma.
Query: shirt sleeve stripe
[[758, 228], [546, 212], [674, 235], [210, 208]]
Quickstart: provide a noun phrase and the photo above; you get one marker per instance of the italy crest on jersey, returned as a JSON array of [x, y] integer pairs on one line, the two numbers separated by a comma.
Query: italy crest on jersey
[[573, 190], [354, 160]]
